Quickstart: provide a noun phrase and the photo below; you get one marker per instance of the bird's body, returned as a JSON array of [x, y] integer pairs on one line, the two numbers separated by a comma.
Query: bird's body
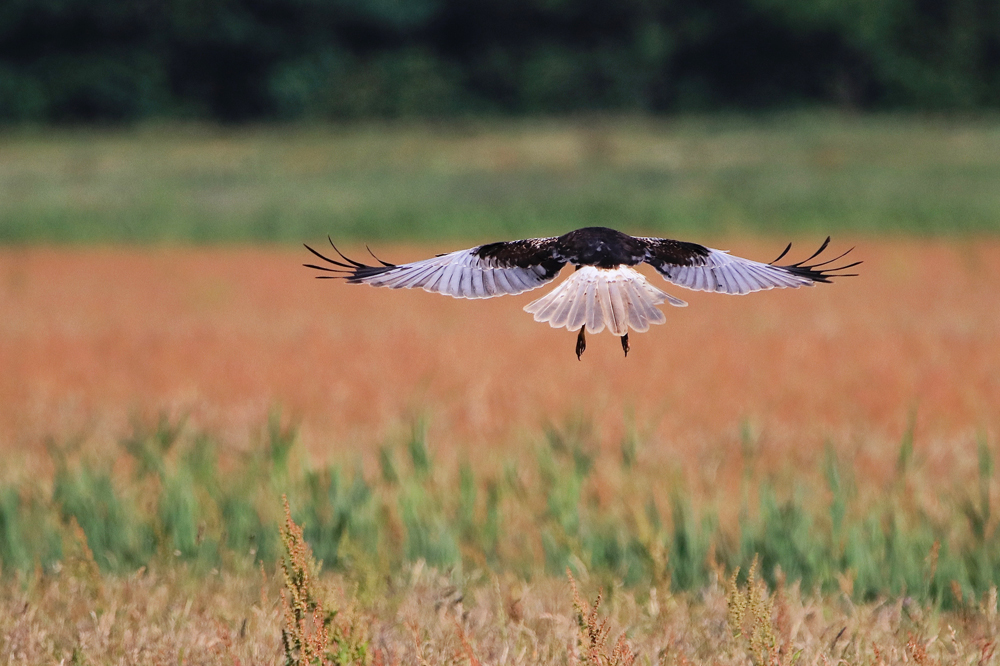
[[604, 292]]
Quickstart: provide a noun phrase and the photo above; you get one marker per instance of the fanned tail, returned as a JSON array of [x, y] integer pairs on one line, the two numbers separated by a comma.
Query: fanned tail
[[600, 298]]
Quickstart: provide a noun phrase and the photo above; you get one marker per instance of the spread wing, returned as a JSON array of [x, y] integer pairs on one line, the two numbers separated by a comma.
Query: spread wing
[[496, 269], [704, 269]]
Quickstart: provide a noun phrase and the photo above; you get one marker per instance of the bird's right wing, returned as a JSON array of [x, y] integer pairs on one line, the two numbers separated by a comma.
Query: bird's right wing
[[496, 269], [703, 269]]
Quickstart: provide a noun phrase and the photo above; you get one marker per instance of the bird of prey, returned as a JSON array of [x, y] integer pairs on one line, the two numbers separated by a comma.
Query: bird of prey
[[604, 291]]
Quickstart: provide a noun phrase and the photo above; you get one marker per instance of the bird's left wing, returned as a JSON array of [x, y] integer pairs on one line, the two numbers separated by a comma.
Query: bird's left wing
[[496, 269], [704, 269]]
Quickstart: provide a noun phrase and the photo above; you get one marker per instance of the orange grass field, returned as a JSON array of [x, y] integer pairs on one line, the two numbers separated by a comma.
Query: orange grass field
[[92, 339]]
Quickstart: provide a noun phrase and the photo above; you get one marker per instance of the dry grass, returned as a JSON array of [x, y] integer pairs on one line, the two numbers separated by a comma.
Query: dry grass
[[423, 617], [311, 633], [224, 336]]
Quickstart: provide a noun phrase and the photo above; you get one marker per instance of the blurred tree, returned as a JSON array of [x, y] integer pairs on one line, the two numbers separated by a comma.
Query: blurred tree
[[239, 60]]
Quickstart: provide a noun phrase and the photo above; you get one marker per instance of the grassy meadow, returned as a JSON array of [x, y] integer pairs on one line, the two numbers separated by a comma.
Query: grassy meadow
[[569, 507], [786, 174], [834, 500]]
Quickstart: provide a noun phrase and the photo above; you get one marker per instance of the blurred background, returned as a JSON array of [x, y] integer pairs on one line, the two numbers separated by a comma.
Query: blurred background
[[139, 137], [194, 146], [161, 162], [108, 61], [286, 120]]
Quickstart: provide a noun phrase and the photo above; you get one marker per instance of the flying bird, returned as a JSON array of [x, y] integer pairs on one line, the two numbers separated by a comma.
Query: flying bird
[[603, 292]]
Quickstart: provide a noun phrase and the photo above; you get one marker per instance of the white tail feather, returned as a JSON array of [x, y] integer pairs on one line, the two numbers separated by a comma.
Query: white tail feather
[[617, 299]]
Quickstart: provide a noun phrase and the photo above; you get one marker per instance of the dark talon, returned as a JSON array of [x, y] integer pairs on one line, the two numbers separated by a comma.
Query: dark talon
[[581, 343], [625, 344]]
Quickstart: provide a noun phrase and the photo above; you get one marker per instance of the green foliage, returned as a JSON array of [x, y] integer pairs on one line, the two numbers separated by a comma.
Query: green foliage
[[239, 60], [116, 532], [29, 530], [168, 501]]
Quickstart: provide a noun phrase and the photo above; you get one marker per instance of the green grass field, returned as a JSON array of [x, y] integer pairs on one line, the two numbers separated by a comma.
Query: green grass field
[[567, 507], [794, 173]]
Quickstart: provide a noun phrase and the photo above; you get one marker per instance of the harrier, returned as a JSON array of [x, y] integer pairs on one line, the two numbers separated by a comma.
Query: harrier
[[604, 291]]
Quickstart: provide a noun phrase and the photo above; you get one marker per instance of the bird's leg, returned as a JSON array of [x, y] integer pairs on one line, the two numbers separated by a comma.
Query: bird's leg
[[625, 344], [581, 343]]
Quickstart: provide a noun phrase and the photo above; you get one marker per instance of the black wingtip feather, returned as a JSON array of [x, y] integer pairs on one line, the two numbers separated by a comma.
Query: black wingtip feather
[[322, 268], [783, 253], [816, 272], [350, 261], [384, 263], [323, 257], [822, 247], [352, 271], [837, 258]]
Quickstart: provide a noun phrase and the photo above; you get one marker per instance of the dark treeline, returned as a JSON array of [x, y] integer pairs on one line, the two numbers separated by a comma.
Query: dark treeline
[[238, 60]]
